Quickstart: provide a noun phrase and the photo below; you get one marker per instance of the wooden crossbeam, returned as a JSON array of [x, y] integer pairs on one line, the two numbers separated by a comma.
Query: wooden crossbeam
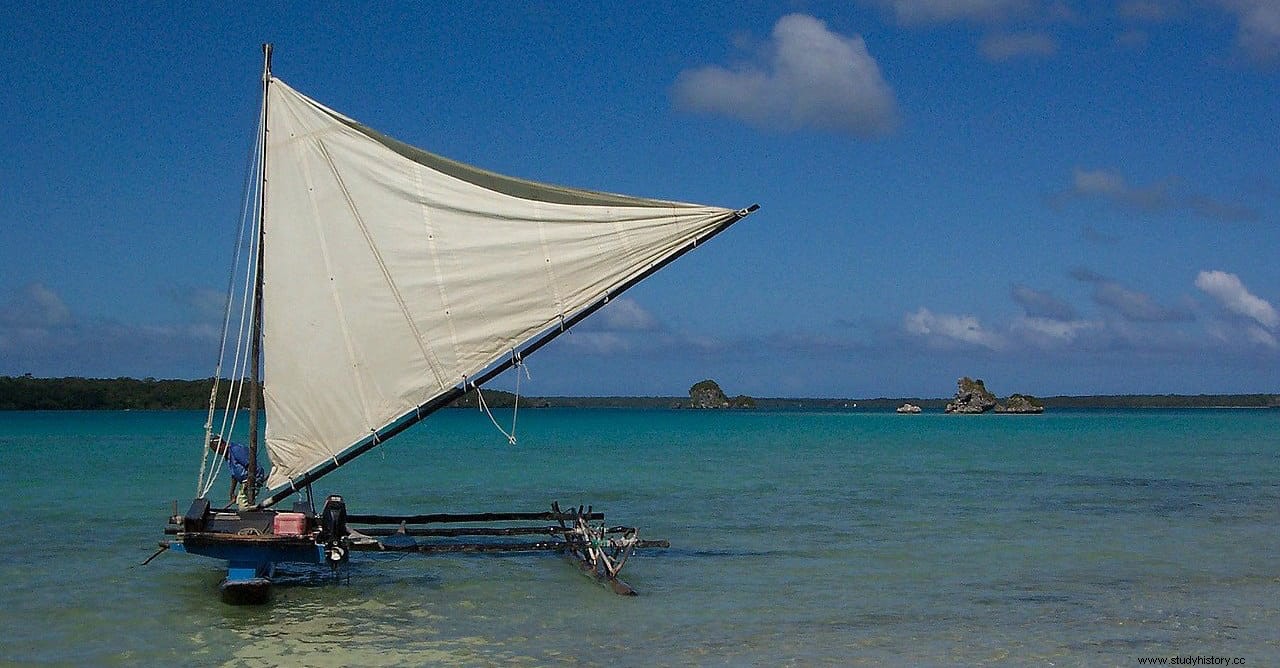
[[434, 518], [550, 530], [532, 546]]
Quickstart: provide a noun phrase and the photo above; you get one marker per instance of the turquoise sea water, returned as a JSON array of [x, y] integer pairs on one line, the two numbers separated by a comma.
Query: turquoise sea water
[[855, 538]]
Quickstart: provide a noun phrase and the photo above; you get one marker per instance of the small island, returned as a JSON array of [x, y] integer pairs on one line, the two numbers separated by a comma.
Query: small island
[[973, 397], [1021, 403], [707, 394]]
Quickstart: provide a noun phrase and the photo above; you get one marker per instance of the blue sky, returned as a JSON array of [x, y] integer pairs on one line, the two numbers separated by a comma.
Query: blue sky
[[1059, 197]]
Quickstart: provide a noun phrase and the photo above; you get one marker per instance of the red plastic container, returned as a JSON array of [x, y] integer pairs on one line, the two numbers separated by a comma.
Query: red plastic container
[[290, 524]]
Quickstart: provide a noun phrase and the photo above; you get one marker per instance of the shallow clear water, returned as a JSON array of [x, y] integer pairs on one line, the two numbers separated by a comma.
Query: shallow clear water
[[797, 538]]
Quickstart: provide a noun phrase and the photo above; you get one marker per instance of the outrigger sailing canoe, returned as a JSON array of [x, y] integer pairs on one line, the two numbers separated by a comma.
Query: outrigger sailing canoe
[[382, 283]]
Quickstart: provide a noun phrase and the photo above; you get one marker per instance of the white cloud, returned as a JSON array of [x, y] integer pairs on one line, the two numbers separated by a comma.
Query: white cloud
[[204, 304], [1231, 334], [811, 78], [1129, 304], [109, 349], [40, 334], [597, 343], [622, 326], [1207, 207], [943, 11], [1259, 31], [1233, 296], [1135, 305], [947, 328], [1112, 187], [35, 306], [1151, 11], [998, 48], [1259, 335], [624, 315], [1051, 332], [1098, 182], [1040, 304]]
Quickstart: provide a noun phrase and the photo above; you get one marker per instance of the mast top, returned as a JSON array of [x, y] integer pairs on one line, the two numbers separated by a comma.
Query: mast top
[[266, 60]]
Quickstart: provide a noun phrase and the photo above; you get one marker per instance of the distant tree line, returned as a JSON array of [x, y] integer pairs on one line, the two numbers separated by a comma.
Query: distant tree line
[[1167, 401], [29, 393]]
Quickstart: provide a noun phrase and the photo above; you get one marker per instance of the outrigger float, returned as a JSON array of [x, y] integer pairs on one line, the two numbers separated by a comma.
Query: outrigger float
[[381, 283], [254, 543]]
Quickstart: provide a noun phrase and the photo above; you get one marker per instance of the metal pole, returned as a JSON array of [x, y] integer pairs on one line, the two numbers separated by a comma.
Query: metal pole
[[251, 477]]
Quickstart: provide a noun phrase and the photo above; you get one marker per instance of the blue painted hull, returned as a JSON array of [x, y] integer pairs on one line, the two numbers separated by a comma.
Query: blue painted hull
[[253, 591], [251, 560]]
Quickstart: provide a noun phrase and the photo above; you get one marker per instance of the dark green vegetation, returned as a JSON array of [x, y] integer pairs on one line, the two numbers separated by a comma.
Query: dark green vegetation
[[707, 394], [1025, 398], [28, 393], [1166, 401]]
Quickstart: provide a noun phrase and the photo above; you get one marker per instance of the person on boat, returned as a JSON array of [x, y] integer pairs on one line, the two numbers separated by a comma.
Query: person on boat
[[237, 458]]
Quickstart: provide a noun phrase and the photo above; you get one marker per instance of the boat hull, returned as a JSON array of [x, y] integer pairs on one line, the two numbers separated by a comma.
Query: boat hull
[[253, 549], [253, 591], [251, 560], [251, 543]]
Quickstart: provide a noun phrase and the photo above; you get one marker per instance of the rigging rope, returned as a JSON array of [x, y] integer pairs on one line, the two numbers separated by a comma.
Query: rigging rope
[[247, 219], [247, 189], [236, 392], [518, 363]]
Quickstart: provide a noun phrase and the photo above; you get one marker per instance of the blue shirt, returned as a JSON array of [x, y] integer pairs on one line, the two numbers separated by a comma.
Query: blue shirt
[[238, 462]]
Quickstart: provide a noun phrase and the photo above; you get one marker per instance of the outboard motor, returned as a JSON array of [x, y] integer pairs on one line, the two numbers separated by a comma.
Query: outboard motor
[[333, 531]]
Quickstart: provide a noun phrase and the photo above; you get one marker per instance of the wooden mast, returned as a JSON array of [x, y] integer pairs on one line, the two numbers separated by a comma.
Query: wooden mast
[[255, 354]]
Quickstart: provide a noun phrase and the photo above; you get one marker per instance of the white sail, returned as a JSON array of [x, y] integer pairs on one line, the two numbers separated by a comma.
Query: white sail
[[392, 275]]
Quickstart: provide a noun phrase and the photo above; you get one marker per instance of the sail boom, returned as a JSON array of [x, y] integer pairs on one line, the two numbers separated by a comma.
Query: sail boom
[[421, 411]]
